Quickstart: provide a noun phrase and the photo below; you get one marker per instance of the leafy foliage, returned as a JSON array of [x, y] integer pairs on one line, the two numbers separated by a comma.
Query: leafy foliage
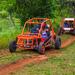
[[3, 14], [5, 4], [66, 8], [34, 8]]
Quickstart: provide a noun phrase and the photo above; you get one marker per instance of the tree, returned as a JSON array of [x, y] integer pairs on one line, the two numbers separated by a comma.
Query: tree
[[34, 8], [5, 4], [8, 6], [66, 8]]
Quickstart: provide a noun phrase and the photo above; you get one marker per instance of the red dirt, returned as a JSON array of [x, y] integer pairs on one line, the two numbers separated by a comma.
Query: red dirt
[[20, 63]]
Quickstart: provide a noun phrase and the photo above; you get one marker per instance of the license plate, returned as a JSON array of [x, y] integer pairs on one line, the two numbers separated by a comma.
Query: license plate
[[28, 46]]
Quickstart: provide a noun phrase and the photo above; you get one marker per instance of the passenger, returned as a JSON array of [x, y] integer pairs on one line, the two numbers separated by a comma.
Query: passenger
[[66, 25]]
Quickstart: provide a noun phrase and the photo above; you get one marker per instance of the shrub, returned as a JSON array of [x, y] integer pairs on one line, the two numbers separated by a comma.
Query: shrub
[[3, 14]]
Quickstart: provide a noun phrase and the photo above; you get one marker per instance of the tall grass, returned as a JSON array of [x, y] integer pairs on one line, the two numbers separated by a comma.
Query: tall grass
[[8, 31]]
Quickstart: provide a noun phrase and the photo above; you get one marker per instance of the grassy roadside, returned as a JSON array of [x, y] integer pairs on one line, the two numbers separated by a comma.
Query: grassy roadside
[[58, 65]]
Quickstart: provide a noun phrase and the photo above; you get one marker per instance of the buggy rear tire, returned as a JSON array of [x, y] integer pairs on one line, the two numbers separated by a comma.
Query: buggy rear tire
[[73, 32], [57, 43], [41, 48], [12, 46]]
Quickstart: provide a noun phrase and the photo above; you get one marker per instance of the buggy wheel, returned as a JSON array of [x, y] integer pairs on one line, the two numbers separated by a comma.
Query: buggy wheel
[[57, 43], [12, 46], [41, 48], [73, 32]]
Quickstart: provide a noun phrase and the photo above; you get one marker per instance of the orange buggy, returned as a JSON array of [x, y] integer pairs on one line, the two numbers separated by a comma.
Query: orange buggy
[[31, 38]]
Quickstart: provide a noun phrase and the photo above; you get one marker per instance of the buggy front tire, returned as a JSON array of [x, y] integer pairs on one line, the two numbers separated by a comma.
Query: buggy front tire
[[57, 43], [12, 46], [41, 48]]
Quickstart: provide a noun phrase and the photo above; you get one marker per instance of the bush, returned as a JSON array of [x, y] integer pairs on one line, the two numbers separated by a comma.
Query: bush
[[56, 23], [3, 14]]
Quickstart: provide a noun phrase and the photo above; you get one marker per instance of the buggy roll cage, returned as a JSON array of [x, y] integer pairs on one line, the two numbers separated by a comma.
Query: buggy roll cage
[[36, 21]]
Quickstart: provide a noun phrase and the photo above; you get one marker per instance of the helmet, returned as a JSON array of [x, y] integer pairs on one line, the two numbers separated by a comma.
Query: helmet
[[43, 24]]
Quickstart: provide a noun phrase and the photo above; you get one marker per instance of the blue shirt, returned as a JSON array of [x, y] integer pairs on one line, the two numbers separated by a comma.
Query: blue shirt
[[44, 35], [66, 25]]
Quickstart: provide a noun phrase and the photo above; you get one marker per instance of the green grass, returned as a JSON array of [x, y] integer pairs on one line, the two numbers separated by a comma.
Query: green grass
[[63, 64]]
